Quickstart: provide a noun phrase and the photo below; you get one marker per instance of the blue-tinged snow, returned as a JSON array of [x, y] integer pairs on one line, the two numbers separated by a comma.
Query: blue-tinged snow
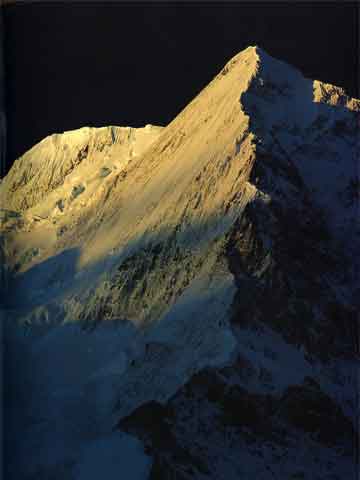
[[115, 457], [72, 385]]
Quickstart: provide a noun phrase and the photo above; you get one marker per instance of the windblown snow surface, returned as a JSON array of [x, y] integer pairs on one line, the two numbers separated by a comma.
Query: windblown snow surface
[[179, 301]]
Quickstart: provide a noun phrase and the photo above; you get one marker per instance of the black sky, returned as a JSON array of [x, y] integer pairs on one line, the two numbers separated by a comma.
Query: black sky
[[73, 64]]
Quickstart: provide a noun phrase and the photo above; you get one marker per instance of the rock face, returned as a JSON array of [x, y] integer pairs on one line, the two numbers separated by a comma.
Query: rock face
[[193, 286]]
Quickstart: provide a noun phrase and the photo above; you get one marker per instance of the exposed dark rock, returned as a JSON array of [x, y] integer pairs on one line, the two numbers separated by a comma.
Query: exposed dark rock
[[76, 191], [104, 172], [152, 424], [253, 418], [60, 205], [283, 279], [309, 409]]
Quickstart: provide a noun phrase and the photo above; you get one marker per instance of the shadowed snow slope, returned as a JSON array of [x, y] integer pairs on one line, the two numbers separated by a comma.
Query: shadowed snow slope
[[135, 260]]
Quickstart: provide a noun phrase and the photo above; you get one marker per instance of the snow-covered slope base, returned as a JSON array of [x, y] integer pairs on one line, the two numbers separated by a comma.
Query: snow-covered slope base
[[191, 286]]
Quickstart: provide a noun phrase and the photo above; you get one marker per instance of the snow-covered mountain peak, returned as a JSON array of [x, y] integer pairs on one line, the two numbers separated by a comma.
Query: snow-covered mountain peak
[[273, 80], [208, 261], [57, 158]]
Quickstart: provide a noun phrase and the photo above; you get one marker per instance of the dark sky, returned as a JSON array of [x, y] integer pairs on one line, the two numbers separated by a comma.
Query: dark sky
[[73, 64]]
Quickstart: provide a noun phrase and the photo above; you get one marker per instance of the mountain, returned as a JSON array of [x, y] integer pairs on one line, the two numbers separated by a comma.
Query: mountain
[[180, 302]]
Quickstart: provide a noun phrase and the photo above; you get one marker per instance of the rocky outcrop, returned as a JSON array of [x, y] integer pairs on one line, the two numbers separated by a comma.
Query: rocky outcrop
[[209, 414]]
